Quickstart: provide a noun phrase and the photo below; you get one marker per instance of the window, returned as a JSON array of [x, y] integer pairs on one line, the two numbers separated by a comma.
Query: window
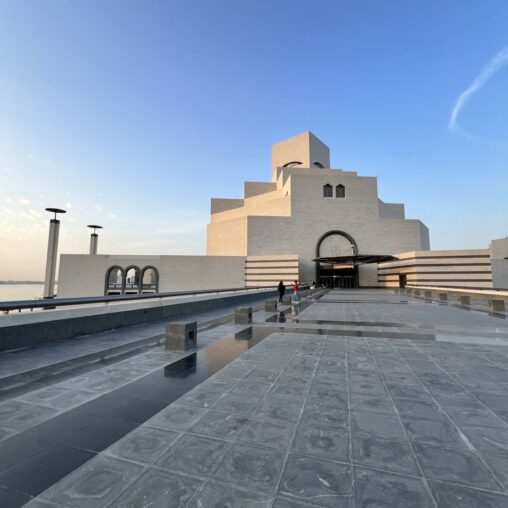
[[327, 191], [340, 191], [318, 165]]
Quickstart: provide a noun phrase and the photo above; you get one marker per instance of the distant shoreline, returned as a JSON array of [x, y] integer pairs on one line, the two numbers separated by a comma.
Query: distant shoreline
[[12, 282]]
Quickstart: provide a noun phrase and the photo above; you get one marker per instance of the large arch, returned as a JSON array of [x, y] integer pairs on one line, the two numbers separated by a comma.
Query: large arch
[[131, 280], [113, 283], [149, 279], [353, 272]]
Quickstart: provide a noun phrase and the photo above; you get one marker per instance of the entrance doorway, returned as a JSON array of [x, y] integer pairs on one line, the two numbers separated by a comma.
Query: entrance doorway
[[402, 280], [343, 278], [336, 276]]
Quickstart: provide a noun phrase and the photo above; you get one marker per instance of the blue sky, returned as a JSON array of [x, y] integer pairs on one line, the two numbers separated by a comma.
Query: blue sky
[[133, 114]]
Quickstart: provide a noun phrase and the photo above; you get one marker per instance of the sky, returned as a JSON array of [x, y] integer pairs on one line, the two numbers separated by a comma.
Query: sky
[[133, 114]]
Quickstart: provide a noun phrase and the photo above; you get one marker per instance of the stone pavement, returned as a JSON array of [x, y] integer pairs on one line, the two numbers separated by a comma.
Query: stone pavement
[[293, 418]]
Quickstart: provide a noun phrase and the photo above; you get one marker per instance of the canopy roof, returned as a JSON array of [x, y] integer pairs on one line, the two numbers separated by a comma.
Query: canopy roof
[[358, 259]]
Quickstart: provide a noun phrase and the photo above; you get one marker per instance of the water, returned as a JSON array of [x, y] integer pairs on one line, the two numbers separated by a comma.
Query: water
[[10, 292]]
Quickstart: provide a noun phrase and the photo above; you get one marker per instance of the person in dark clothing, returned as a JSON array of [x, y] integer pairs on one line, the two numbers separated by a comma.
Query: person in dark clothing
[[281, 289]]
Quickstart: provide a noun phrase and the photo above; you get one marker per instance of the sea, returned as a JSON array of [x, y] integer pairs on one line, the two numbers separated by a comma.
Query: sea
[[9, 292]]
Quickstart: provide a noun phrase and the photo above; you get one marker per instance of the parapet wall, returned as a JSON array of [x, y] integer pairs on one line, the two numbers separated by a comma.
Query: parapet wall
[[24, 330]]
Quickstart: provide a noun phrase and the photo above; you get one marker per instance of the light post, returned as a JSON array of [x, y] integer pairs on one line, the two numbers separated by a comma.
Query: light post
[[94, 239], [52, 255]]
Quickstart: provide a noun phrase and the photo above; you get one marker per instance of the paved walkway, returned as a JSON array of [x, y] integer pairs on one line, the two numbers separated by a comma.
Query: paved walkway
[[297, 419]]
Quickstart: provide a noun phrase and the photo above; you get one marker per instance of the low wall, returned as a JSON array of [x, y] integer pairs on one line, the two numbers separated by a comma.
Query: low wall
[[23, 330]]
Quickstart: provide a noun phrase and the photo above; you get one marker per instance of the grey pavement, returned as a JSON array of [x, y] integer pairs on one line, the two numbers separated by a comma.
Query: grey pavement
[[319, 419]]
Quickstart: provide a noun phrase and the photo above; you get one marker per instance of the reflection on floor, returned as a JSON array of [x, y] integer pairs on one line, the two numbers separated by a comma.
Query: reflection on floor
[[360, 398]]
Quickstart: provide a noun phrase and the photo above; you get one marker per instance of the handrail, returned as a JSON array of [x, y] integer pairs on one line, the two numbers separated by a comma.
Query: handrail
[[50, 303]]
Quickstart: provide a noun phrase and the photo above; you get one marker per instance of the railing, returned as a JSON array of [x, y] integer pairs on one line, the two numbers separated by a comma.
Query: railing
[[51, 303]]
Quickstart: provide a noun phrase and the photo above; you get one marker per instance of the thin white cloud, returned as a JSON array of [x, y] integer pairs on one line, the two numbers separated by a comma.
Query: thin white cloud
[[496, 63], [24, 201]]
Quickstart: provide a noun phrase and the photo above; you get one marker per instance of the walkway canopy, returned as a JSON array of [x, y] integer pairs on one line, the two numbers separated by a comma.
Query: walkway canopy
[[358, 259]]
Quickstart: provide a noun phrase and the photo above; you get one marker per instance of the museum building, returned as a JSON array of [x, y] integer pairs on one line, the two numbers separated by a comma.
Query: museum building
[[310, 223]]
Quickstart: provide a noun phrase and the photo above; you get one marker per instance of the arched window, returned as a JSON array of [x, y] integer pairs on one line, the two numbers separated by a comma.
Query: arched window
[[340, 191], [318, 165], [327, 191], [114, 281], [150, 280], [292, 164], [131, 280]]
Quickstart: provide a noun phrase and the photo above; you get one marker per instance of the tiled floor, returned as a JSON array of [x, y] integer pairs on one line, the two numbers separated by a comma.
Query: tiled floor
[[317, 419]]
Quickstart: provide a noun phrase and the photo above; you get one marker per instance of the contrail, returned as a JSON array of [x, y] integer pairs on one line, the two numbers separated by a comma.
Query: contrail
[[487, 72]]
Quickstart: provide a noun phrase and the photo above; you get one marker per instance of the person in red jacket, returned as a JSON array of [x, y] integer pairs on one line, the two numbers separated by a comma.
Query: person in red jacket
[[296, 296]]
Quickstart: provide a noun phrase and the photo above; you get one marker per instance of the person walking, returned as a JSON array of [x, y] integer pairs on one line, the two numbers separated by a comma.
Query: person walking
[[281, 289], [296, 296]]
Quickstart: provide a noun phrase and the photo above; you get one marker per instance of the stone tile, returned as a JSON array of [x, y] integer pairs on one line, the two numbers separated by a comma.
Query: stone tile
[[281, 502], [317, 481], [383, 489], [238, 403], [178, 417], [322, 442], [378, 424], [215, 495], [194, 455], [251, 468], [455, 465], [408, 392], [480, 417], [272, 434], [96, 483], [253, 387], [205, 396], [372, 403], [492, 445], [315, 414], [158, 488], [43, 395], [287, 391], [419, 409], [451, 496], [28, 417], [221, 425], [432, 431], [386, 454], [264, 376], [367, 388], [145, 444], [276, 408]]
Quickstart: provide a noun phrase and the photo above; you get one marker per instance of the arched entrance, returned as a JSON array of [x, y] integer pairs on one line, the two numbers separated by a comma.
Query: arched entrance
[[334, 244]]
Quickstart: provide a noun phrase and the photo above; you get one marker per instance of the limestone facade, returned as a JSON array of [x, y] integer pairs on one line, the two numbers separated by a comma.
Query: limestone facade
[[290, 214]]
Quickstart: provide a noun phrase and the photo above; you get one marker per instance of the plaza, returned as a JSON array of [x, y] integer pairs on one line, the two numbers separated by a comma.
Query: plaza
[[351, 398]]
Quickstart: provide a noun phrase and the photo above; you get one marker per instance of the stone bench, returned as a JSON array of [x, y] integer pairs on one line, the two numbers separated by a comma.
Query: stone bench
[[271, 305], [464, 300], [443, 297], [286, 300], [243, 315], [181, 336], [496, 305]]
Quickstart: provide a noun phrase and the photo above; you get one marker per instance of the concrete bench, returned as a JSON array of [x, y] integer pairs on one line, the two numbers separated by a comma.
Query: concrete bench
[[181, 336], [496, 305], [464, 300], [243, 315], [417, 292], [443, 297], [428, 294], [271, 305]]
